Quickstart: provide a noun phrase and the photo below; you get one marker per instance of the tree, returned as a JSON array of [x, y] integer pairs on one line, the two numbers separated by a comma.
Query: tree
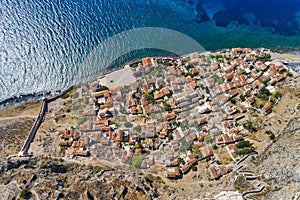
[[248, 94], [242, 97], [244, 143], [249, 126], [214, 146], [265, 58], [265, 91], [149, 97], [233, 100], [272, 136], [194, 168], [277, 95], [138, 128], [127, 124], [65, 96], [207, 139], [180, 160], [170, 136], [167, 106], [207, 90], [24, 193], [102, 88]]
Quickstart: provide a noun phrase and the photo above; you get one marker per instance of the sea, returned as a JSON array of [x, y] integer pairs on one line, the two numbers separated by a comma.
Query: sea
[[44, 43]]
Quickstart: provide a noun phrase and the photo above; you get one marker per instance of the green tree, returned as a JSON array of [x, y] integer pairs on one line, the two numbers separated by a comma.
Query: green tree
[[232, 100], [243, 143], [214, 146], [102, 88], [65, 96], [249, 126], [265, 58], [242, 97], [166, 106], [24, 193], [272, 136], [138, 128], [149, 97], [207, 90], [170, 136], [207, 139], [248, 94], [265, 91], [277, 95], [194, 168], [127, 124]]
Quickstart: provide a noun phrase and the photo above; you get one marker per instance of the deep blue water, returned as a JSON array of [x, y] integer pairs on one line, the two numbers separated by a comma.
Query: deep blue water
[[43, 42]]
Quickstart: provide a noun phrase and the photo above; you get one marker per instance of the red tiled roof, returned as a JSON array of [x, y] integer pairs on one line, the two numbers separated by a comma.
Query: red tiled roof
[[146, 61]]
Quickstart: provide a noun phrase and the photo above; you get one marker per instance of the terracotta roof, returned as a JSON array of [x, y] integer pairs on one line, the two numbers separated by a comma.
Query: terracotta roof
[[175, 174], [146, 61], [190, 137], [65, 143], [138, 151], [273, 69], [267, 106], [170, 116], [193, 85], [173, 69], [104, 93], [78, 144], [218, 171], [228, 76], [202, 121], [77, 152], [173, 164]]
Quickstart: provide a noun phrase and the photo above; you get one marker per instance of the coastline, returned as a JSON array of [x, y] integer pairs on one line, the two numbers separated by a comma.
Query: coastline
[[67, 112], [16, 100]]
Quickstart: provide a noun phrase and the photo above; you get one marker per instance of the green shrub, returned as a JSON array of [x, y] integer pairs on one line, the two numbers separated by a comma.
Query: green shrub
[[134, 65], [272, 136], [249, 126], [277, 95], [242, 97], [75, 95], [207, 138], [243, 144], [232, 100], [149, 97], [65, 96], [24, 193], [248, 94], [265, 58], [127, 124], [194, 168], [166, 106], [138, 128], [102, 88], [265, 91]]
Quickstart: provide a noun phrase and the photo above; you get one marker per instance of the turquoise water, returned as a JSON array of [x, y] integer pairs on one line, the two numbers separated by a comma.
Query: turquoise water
[[43, 43]]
